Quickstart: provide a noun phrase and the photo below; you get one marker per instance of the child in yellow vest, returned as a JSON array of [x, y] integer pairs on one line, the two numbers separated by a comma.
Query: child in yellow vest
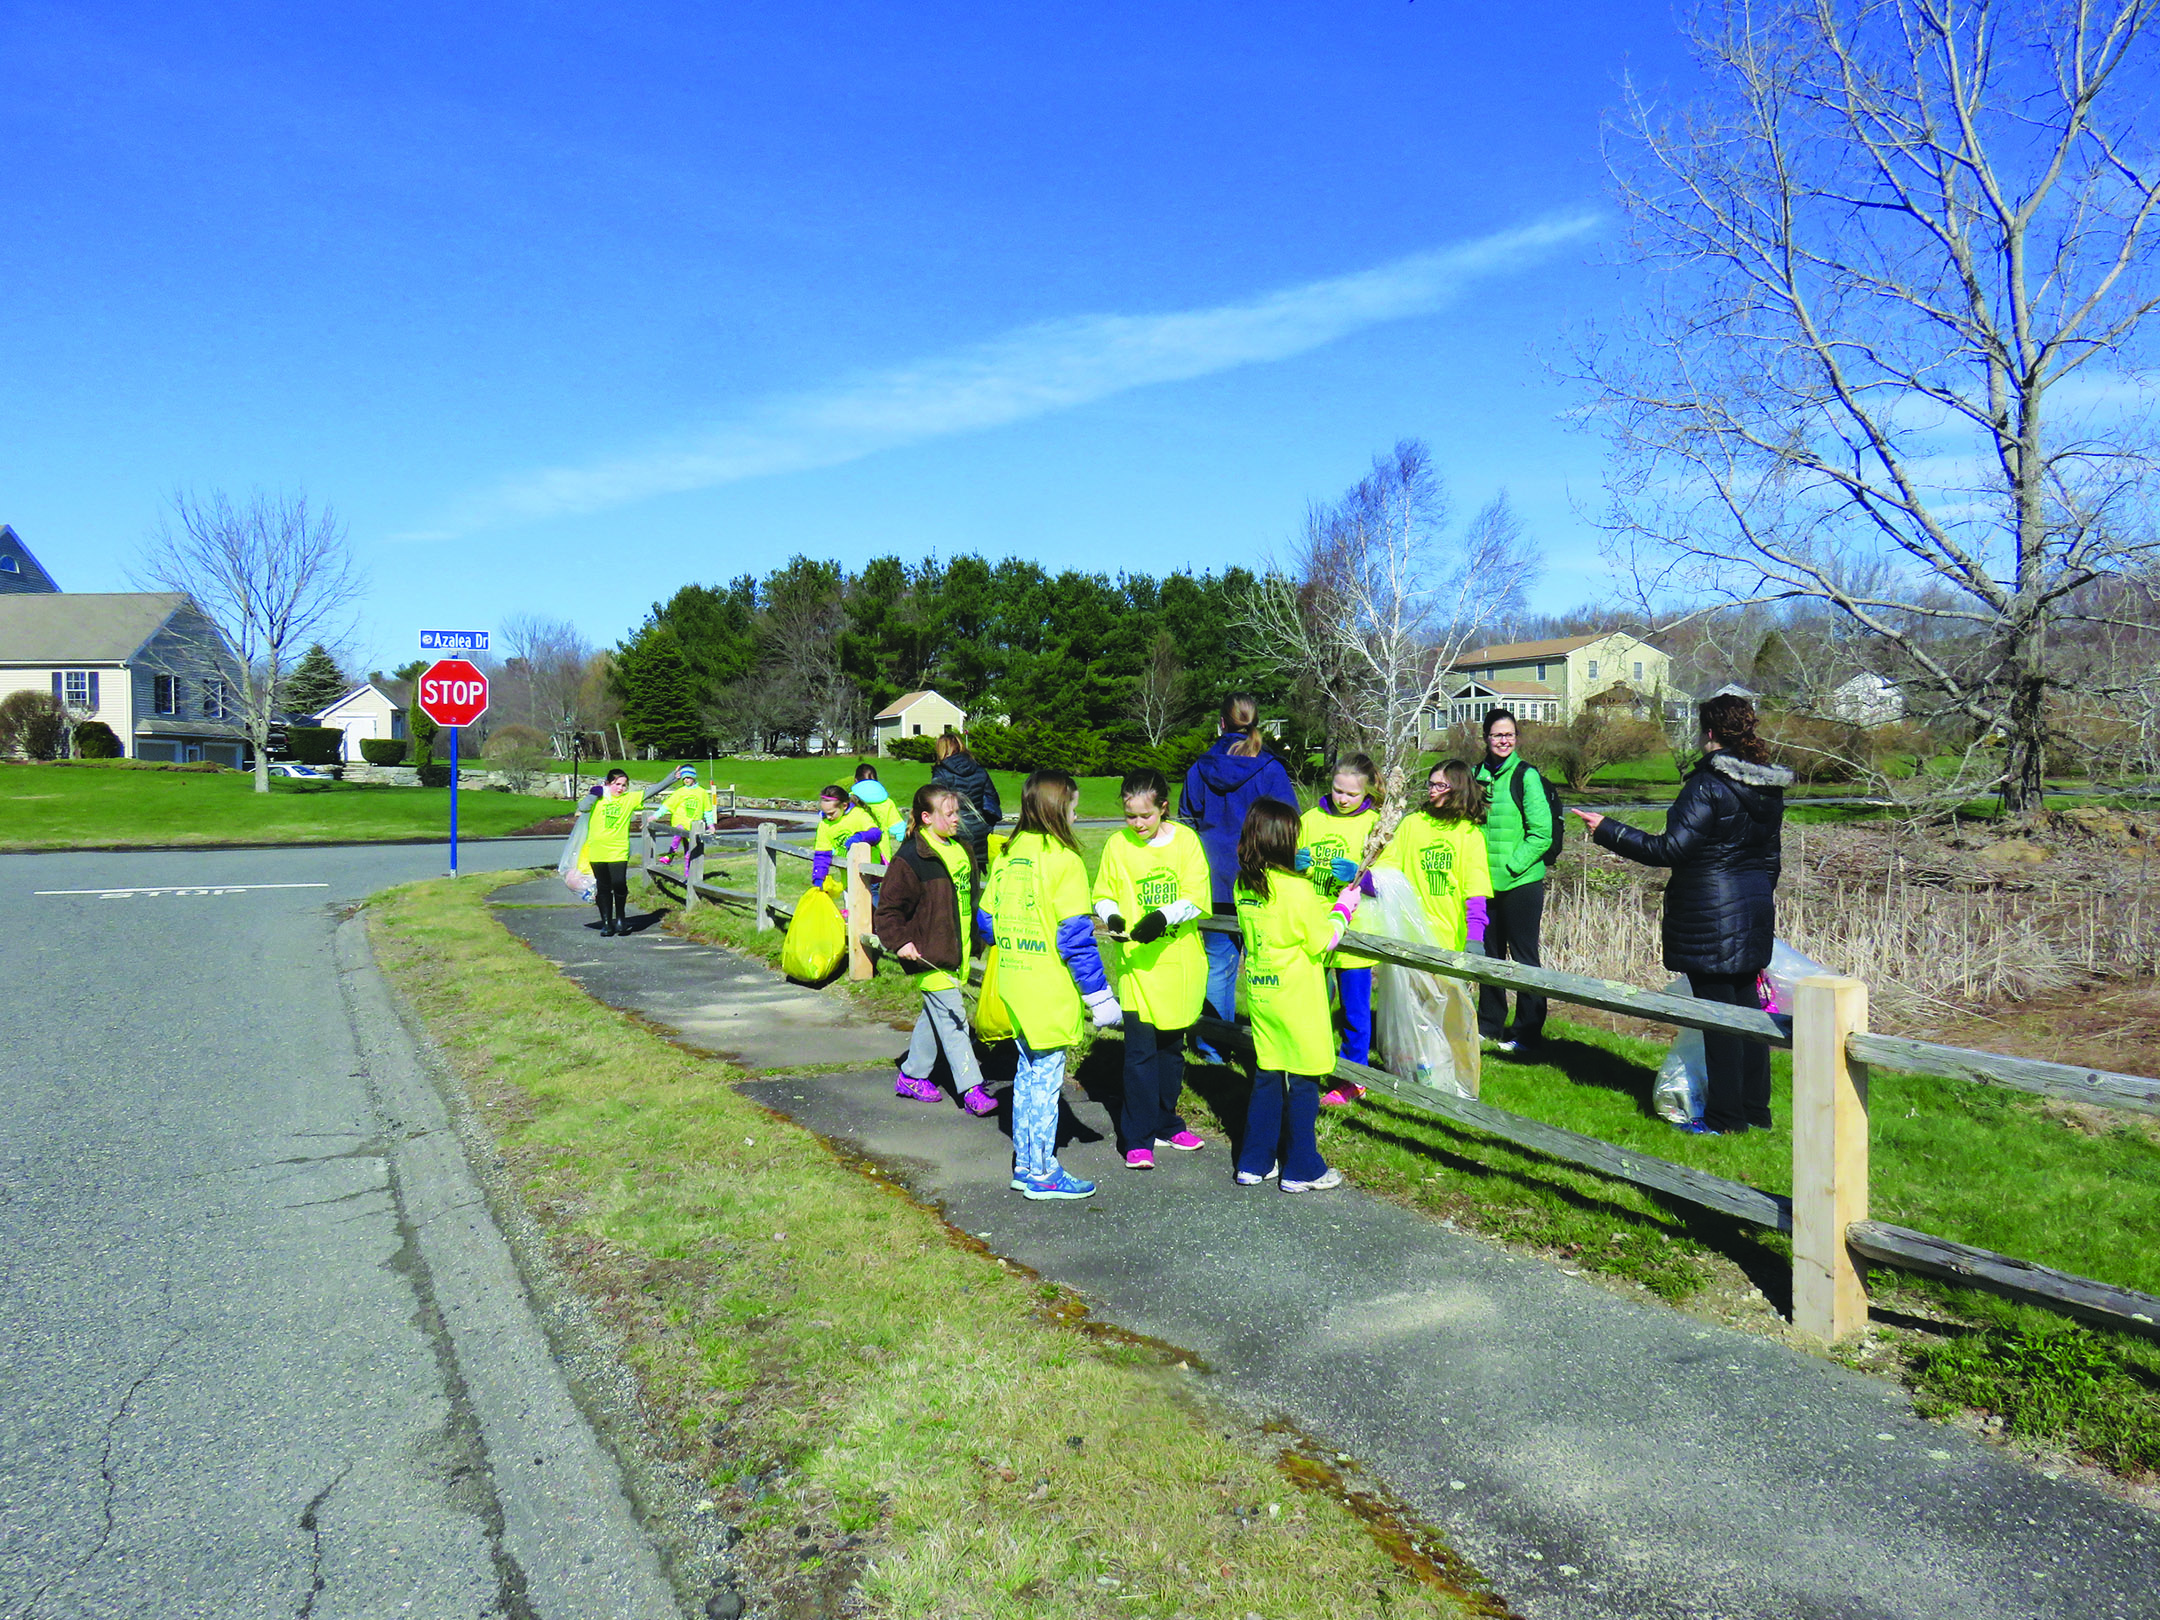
[[1155, 872], [1050, 975], [843, 822], [876, 798], [1441, 848], [1290, 933], [1331, 848], [689, 808]]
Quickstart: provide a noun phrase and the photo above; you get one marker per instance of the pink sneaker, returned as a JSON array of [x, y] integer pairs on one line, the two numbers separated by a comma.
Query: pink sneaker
[[905, 1085], [979, 1102], [1342, 1096], [1140, 1159], [1184, 1142]]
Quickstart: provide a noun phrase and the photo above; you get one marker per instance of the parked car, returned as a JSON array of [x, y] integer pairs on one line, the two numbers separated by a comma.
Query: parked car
[[286, 768]]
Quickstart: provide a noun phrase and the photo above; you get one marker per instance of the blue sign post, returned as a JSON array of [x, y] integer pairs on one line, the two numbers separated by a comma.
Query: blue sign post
[[454, 730], [453, 694]]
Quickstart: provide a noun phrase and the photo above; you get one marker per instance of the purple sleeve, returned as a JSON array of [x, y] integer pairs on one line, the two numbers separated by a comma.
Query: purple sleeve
[[1474, 915], [1076, 943], [820, 868], [869, 835]]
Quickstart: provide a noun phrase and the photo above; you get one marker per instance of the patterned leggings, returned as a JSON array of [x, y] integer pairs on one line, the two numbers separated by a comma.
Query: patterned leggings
[[1038, 1084]]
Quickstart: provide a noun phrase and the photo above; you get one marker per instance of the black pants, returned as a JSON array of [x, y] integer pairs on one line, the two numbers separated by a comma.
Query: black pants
[[612, 894], [1738, 1095], [1511, 930], [1154, 1075]]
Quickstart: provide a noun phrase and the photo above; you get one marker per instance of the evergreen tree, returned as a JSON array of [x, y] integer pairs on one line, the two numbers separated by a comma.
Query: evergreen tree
[[418, 727], [659, 693], [315, 683]]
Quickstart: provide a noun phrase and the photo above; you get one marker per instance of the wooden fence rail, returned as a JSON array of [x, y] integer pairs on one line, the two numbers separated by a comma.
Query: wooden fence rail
[[1834, 1239]]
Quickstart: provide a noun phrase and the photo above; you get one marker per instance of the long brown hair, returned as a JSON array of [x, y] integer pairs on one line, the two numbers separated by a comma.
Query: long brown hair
[[926, 796], [1730, 718], [948, 744], [1267, 840], [1241, 715], [1465, 799], [1046, 807]]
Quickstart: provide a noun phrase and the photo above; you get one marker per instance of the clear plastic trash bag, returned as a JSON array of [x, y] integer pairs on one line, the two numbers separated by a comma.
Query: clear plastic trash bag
[[1424, 1024], [1788, 966], [1683, 1079], [572, 866]]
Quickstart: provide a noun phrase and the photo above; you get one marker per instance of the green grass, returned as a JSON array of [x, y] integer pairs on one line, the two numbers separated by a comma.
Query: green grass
[[65, 807], [802, 778], [833, 1359]]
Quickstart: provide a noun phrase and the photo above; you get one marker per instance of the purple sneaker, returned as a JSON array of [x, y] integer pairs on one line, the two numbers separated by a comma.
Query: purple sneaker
[[979, 1102], [905, 1085]]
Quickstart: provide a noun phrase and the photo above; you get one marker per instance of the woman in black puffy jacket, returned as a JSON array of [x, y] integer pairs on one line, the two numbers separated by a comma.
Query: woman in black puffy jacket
[[1721, 840]]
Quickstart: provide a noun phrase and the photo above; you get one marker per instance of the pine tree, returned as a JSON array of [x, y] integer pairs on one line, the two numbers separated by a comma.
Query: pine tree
[[315, 683], [659, 694]]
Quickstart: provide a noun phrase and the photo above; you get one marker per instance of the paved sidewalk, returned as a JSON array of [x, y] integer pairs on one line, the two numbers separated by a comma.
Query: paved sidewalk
[[1594, 1456]]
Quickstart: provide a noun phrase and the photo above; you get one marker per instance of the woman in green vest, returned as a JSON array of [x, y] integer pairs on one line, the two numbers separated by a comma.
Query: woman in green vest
[[1050, 975], [1518, 842]]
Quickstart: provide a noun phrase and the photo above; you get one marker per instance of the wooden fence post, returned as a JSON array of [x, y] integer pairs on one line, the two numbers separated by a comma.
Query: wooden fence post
[[858, 911], [768, 876], [693, 867], [1830, 1158]]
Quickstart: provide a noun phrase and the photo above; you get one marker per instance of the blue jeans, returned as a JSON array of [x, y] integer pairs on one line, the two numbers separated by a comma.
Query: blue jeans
[[1038, 1084], [1154, 1075], [1355, 986], [1278, 1133], [1223, 954]]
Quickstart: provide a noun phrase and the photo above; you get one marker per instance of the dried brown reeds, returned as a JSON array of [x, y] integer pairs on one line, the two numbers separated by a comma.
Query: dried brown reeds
[[1932, 929]]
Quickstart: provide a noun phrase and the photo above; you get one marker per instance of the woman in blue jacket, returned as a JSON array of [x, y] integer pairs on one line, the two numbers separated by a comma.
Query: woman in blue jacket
[[1222, 785]]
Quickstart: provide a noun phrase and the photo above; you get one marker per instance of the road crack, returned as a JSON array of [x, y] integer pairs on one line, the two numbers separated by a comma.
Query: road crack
[[311, 1522]]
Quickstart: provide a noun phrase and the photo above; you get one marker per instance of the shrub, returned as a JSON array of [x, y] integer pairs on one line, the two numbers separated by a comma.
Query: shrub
[[94, 739], [432, 775], [33, 724], [1574, 753], [383, 750], [314, 745], [519, 752], [1814, 750], [1039, 748], [510, 738], [921, 750]]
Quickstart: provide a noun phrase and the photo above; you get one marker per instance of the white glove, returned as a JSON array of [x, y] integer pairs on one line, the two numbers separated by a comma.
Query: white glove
[[1103, 1007]]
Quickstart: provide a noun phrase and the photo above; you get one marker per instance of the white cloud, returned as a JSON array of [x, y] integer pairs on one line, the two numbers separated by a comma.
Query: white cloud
[[1028, 373]]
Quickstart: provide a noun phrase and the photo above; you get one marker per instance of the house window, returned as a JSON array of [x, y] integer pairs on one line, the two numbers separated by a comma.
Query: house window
[[78, 689], [1638, 669], [216, 703], [8, 565], [1593, 669], [165, 694], [1541, 672], [918, 731]]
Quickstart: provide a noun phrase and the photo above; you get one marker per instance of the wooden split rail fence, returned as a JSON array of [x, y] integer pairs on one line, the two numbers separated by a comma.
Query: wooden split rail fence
[[1834, 1238]]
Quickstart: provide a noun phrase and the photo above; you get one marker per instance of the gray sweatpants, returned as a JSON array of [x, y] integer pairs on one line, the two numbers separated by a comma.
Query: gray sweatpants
[[942, 1022]]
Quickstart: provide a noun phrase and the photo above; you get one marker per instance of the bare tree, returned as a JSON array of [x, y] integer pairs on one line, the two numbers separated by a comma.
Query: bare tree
[[272, 575], [1905, 256], [1378, 601], [1161, 697], [547, 670]]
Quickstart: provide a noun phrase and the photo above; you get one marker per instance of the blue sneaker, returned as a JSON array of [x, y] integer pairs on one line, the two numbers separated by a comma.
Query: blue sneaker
[[1055, 1182], [1696, 1127]]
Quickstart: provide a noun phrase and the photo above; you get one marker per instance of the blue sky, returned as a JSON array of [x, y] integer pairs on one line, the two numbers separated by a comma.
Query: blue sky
[[561, 307]]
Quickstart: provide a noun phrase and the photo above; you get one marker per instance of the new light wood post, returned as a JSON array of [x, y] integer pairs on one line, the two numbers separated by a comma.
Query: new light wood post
[[768, 876], [693, 866], [858, 911], [1830, 1158]]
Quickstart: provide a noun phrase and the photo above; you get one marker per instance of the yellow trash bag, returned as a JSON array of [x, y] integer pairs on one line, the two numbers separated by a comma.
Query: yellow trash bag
[[992, 1021], [816, 940]]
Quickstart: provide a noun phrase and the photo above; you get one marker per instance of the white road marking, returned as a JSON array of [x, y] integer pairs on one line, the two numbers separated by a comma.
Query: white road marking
[[184, 889]]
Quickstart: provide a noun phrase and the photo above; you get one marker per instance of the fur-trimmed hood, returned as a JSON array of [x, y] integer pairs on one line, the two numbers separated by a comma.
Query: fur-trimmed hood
[[1729, 764]]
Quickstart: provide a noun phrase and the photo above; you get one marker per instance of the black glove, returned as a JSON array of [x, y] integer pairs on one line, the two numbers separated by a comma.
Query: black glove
[[1114, 923], [1150, 928]]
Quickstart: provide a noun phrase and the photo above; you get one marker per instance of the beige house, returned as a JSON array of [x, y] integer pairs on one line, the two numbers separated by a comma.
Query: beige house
[[915, 714], [1550, 681], [364, 714], [147, 663]]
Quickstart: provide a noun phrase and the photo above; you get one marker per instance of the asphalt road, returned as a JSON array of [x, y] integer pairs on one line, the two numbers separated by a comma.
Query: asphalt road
[[265, 1353]]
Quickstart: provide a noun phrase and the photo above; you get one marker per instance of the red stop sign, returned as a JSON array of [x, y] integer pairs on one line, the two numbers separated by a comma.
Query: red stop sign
[[453, 692]]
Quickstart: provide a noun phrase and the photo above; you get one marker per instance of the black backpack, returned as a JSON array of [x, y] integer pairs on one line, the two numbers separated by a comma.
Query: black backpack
[[1552, 800]]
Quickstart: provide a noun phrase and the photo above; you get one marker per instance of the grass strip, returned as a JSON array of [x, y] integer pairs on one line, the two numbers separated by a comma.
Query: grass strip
[[51, 806], [875, 1401]]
